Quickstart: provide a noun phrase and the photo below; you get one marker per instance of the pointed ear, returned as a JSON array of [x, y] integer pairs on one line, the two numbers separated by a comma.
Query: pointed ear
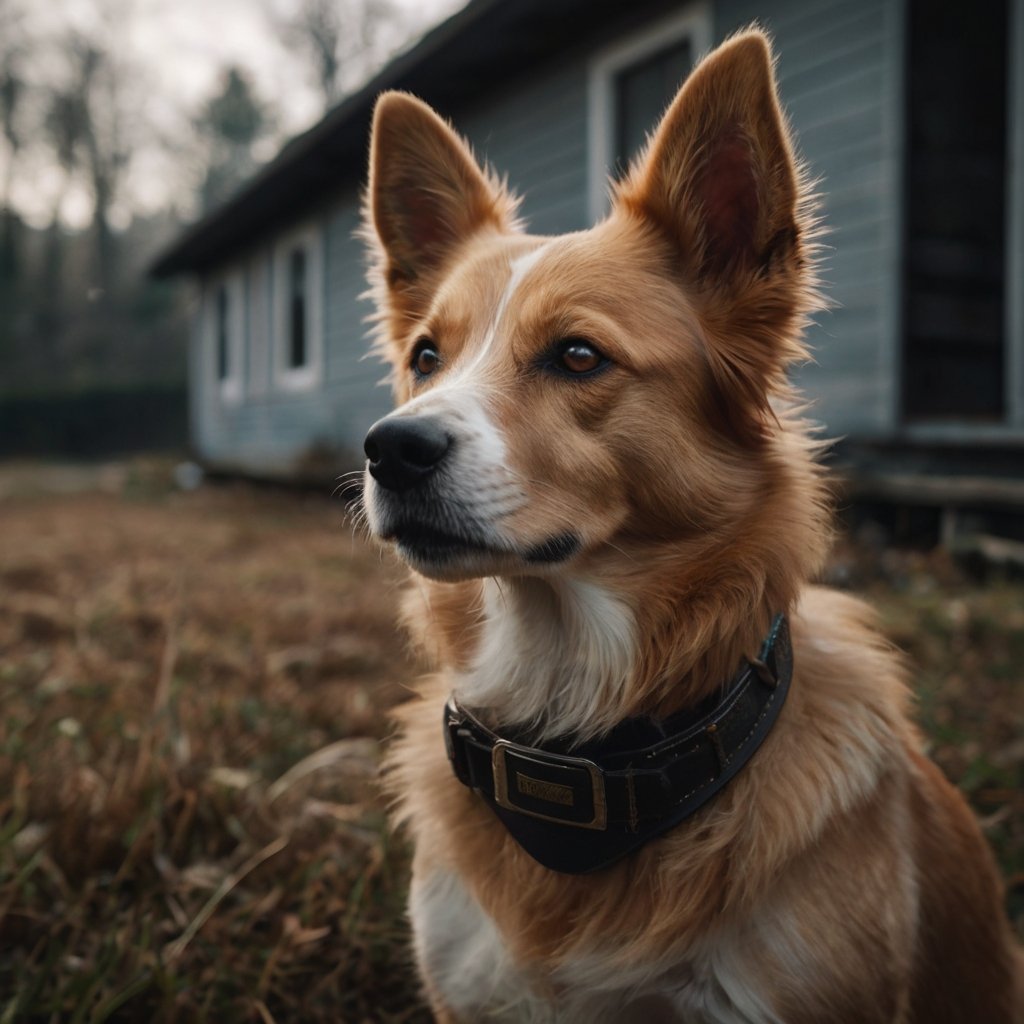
[[719, 173], [719, 179], [427, 193]]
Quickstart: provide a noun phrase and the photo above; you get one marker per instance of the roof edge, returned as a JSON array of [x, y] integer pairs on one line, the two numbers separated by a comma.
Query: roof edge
[[176, 259]]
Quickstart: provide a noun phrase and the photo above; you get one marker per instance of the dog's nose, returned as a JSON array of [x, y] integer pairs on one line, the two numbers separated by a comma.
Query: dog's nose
[[403, 450]]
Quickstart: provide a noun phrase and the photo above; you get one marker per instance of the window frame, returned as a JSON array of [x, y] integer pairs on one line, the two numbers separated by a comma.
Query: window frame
[[229, 389], [308, 376], [692, 23]]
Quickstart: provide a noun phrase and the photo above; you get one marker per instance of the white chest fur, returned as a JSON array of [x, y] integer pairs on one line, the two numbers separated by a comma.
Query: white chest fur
[[555, 654], [461, 951]]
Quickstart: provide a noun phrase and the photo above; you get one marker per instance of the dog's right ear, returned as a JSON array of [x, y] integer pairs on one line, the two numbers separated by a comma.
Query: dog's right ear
[[719, 175], [427, 193], [719, 179]]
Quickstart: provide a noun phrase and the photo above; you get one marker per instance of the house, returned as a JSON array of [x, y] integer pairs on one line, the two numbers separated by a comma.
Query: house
[[910, 112]]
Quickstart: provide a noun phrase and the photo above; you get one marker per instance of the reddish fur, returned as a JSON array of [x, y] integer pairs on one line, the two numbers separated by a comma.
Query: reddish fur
[[704, 512]]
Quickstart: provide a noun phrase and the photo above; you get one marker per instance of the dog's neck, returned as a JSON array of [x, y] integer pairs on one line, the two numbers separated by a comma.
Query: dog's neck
[[556, 655], [646, 635], [574, 656]]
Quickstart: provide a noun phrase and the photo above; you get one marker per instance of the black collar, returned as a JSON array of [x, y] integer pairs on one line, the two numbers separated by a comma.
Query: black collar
[[577, 807]]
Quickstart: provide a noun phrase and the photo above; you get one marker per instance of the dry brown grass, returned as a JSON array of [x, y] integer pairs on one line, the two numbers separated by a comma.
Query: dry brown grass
[[193, 689]]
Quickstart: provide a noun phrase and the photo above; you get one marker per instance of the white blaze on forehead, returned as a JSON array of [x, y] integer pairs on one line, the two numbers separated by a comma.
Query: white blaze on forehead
[[460, 397], [452, 389], [519, 269]]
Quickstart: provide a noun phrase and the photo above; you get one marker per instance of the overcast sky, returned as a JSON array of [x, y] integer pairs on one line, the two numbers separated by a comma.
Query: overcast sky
[[175, 50]]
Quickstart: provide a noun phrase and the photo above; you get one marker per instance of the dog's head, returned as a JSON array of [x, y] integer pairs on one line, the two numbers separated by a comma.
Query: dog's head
[[571, 399]]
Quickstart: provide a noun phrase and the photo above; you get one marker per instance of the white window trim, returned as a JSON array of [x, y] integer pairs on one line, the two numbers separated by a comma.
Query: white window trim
[[307, 377], [693, 22], [230, 389]]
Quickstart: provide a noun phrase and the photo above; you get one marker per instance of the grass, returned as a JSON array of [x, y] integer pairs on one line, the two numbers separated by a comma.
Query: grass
[[193, 690]]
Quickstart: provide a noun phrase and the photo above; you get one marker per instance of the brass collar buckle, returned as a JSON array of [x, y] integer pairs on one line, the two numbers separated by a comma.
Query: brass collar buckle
[[552, 787]]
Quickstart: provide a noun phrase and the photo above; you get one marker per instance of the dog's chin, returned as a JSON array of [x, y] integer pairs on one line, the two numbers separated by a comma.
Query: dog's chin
[[446, 557]]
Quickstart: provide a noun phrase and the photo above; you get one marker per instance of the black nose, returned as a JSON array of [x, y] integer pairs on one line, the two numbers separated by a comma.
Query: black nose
[[404, 449]]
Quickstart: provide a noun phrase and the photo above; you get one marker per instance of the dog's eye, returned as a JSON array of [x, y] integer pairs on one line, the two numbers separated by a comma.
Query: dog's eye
[[425, 359], [577, 356]]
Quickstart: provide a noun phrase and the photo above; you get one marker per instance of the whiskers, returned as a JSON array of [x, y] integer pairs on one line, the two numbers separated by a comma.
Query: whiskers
[[350, 488], [349, 483]]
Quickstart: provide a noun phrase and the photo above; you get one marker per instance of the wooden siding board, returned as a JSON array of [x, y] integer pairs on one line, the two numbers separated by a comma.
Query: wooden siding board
[[554, 95], [352, 375], [804, 73], [258, 326], [826, 97], [802, 23], [824, 129], [537, 136], [272, 429], [855, 27], [848, 160]]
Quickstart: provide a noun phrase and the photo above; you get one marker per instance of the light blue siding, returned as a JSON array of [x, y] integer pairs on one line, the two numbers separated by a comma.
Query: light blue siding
[[279, 431], [355, 379], [537, 135]]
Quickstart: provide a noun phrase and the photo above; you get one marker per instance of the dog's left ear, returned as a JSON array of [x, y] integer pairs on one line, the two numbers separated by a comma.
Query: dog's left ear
[[719, 178]]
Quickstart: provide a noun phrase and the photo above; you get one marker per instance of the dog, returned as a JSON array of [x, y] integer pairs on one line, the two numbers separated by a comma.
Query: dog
[[656, 775]]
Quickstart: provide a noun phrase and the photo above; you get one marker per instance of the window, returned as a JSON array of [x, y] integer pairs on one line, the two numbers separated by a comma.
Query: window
[[298, 320], [223, 337], [642, 92], [631, 84], [226, 331], [297, 350], [954, 337]]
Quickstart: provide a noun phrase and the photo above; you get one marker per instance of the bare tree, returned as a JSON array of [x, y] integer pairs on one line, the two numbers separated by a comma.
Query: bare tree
[[344, 39], [12, 87], [65, 124], [98, 82]]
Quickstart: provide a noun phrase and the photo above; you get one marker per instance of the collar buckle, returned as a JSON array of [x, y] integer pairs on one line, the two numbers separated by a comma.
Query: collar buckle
[[552, 787]]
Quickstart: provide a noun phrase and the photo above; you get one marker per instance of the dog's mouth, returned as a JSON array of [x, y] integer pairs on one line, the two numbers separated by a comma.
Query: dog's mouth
[[423, 542], [438, 551]]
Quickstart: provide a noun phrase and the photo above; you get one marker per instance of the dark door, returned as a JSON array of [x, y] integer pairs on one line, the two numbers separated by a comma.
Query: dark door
[[954, 343]]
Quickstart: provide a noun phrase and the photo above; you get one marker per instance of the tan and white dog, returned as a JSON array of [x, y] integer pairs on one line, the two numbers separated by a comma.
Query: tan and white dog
[[598, 476]]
